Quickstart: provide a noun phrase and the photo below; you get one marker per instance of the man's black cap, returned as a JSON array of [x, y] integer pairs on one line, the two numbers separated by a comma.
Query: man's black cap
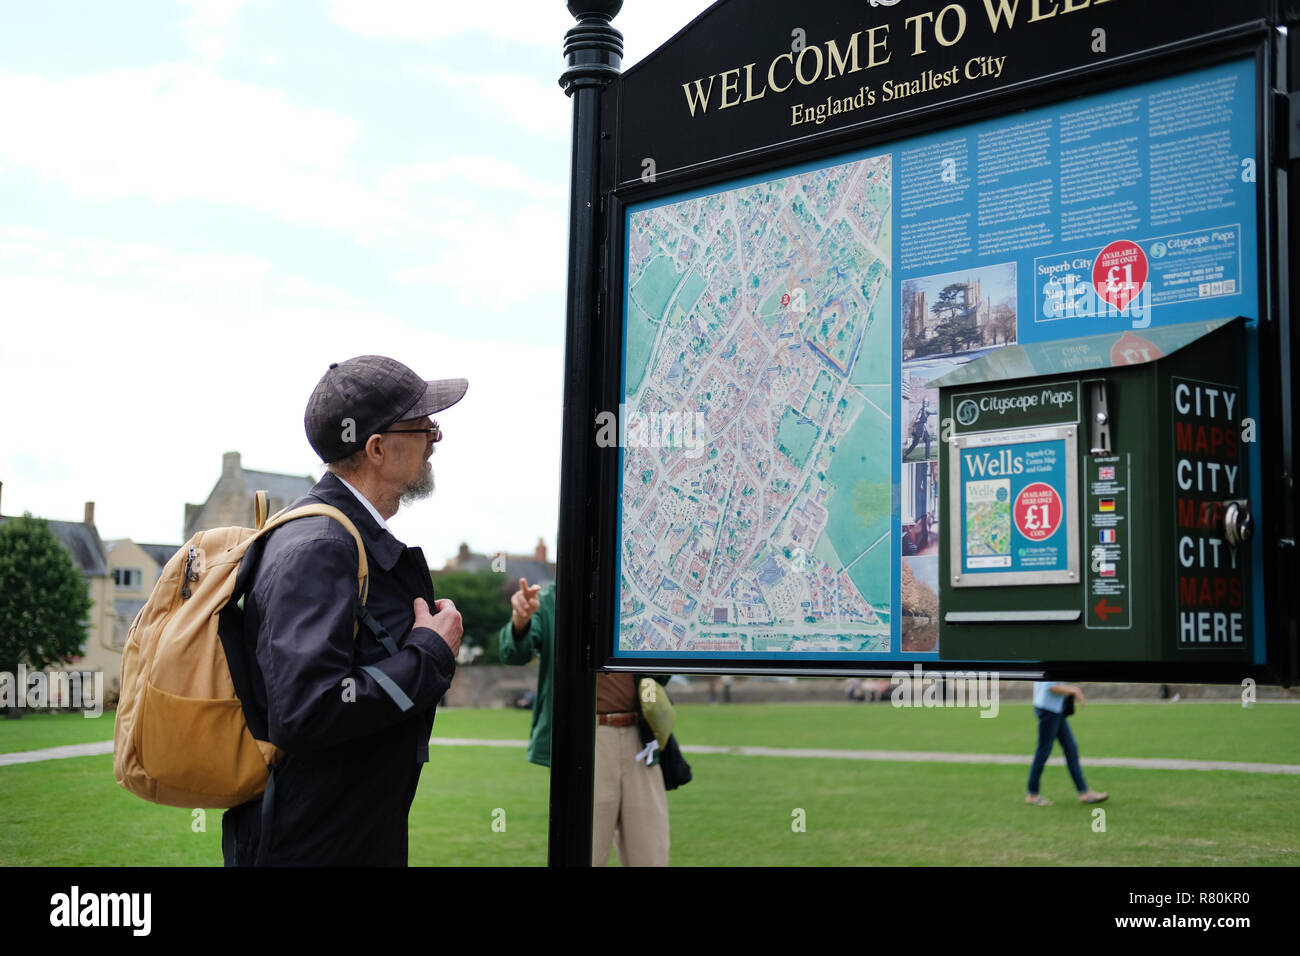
[[364, 395]]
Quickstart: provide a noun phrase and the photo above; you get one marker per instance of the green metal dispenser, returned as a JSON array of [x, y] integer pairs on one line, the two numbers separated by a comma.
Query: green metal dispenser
[[1094, 500]]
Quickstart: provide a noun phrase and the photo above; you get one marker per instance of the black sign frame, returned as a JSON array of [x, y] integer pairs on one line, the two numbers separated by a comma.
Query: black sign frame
[[621, 185]]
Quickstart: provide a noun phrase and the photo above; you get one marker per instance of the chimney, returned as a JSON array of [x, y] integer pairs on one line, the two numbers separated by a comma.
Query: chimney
[[540, 553], [230, 467], [462, 555], [90, 514]]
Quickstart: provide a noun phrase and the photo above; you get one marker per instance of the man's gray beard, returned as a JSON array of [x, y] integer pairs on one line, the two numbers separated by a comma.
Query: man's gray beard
[[421, 488]]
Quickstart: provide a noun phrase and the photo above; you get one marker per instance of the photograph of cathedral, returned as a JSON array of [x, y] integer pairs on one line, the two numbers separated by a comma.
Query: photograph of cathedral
[[959, 312]]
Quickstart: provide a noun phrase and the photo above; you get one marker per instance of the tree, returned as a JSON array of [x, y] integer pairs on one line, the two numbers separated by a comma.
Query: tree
[[43, 599], [482, 597], [957, 329]]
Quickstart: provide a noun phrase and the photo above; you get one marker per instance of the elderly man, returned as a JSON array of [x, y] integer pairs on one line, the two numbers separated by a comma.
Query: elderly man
[[350, 691]]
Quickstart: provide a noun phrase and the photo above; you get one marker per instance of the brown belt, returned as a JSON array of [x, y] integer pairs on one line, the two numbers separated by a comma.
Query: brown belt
[[623, 719]]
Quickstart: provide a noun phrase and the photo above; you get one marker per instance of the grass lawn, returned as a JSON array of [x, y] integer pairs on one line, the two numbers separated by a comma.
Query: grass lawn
[[33, 731], [739, 810]]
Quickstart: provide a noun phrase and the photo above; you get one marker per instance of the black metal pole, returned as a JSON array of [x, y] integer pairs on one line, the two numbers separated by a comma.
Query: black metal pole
[[594, 50], [1289, 328]]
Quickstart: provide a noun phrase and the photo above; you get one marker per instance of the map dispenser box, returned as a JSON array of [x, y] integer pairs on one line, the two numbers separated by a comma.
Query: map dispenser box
[[1094, 500]]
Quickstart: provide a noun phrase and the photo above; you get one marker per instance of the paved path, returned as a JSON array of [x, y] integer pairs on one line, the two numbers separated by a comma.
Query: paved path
[[922, 756], [57, 753], [903, 756]]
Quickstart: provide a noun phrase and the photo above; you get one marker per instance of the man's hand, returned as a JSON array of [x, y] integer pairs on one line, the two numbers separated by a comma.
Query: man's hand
[[524, 604], [446, 623]]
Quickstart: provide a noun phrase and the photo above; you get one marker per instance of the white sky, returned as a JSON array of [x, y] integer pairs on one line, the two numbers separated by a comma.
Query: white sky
[[205, 202]]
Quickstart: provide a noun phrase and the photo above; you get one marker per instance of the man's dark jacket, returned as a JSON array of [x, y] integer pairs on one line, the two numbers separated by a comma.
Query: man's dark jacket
[[353, 721]]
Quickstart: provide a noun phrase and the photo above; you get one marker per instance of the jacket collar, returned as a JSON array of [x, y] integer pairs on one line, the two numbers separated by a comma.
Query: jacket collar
[[382, 546]]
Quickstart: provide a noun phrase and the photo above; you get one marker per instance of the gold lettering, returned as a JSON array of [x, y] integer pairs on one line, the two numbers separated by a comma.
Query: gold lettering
[[771, 72], [1003, 11], [1072, 5], [749, 84], [798, 65], [872, 45], [961, 24], [1039, 15], [835, 60], [908, 22], [701, 95], [732, 85]]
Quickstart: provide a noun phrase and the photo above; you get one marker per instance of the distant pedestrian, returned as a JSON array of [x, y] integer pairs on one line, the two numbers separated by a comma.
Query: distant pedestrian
[[631, 775], [725, 683], [1053, 703]]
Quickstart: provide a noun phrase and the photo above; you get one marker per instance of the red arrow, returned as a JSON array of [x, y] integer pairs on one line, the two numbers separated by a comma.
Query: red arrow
[[1103, 609]]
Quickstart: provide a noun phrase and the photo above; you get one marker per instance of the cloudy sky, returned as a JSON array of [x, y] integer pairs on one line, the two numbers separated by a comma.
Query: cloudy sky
[[205, 202]]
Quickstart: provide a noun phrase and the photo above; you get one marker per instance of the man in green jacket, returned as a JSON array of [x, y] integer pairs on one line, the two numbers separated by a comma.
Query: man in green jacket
[[630, 805]]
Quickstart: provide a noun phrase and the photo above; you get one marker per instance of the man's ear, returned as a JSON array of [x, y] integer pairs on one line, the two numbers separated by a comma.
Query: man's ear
[[375, 449]]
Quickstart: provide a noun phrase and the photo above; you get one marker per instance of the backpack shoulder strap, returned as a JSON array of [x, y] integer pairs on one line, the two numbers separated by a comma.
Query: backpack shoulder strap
[[306, 511], [363, 568], [363, 615]]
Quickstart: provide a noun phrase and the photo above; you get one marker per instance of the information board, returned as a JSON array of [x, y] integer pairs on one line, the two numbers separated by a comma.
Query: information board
[[779, 433]]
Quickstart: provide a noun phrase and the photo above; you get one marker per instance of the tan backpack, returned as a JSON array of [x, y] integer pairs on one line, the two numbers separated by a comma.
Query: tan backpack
[[181, 737]]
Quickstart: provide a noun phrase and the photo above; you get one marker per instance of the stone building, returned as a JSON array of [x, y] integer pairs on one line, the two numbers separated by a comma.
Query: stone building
[[134, 569], [231, 500], [535, 567]]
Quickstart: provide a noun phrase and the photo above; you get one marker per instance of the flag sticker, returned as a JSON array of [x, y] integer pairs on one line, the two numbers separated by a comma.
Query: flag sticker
[[1107, 535], [1106, 473], [1106, 504]]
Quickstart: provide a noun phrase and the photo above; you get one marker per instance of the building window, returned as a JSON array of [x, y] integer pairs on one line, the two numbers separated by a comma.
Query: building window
[[128, 577], [124, 613]]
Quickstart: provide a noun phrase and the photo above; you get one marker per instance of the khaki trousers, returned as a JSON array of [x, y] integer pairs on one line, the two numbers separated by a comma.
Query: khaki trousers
[[630, 804]]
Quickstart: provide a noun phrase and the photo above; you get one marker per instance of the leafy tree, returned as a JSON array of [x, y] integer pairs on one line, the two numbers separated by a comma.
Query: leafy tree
[[482, 597], [957, 328], [43, 599], [951, 302]]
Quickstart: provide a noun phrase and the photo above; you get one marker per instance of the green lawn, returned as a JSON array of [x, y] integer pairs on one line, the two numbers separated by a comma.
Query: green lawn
[[739, 810], [1195, 731]]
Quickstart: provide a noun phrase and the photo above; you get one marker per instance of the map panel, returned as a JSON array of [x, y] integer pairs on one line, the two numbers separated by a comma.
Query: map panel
[[757, 514]]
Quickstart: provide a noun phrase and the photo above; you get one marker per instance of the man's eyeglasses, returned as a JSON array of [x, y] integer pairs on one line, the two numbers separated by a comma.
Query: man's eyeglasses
[[434, 432]]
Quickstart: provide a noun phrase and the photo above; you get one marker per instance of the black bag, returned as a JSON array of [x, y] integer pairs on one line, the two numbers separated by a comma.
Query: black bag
[[1068, 709], [677, 772]]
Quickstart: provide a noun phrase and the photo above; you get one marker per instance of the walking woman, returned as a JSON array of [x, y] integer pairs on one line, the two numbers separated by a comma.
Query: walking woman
[[1054, 703]]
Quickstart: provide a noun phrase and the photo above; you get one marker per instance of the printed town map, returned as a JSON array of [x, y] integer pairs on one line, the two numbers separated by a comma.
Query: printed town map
[[988, 524], [756, 510]]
